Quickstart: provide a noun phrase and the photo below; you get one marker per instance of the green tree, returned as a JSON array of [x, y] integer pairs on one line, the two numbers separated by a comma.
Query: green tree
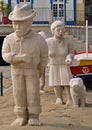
[[87, 2], [4, 8]]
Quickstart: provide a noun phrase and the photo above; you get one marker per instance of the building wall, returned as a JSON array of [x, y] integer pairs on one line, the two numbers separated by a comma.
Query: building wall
[[13, 2], [41, 3], [70, 12], [43, 10], [80, 12]]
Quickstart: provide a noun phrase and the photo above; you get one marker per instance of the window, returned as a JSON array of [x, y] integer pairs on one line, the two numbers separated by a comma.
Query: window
[[21, 0], [61, 10], [24, 0], [58, 9], [55, 10], [54, 0]]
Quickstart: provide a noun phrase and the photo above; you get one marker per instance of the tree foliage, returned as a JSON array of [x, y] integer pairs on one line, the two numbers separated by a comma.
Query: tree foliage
[[4, 8], [88, 2]]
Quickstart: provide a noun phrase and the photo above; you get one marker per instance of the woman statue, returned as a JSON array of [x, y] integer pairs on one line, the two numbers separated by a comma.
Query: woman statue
[[60, 58]]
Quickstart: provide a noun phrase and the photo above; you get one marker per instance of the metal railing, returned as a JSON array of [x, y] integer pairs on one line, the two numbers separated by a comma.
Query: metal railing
[[1, 83], [5, 82], [80, 33]]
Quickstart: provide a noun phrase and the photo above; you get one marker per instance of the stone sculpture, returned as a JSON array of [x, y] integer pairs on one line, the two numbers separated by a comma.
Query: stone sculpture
[[60, 54], [78, 92], [42, 78], [27, 52]]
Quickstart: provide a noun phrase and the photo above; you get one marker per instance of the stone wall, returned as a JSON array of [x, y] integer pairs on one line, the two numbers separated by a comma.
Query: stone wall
[[7, 29], [73, 33]]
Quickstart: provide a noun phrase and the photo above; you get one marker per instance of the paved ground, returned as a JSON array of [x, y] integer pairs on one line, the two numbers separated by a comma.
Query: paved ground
[[53, 117]]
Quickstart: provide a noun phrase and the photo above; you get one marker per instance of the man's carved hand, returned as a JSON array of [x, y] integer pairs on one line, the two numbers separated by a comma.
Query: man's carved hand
[[27, 58], [22, 58]]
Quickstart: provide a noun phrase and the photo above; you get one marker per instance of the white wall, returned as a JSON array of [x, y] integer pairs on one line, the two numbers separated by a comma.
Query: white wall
[[13, 2], [43, 10], [41, 3]]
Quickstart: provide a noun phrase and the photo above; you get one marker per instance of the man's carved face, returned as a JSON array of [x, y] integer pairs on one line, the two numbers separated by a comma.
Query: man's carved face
[[21, 28]]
